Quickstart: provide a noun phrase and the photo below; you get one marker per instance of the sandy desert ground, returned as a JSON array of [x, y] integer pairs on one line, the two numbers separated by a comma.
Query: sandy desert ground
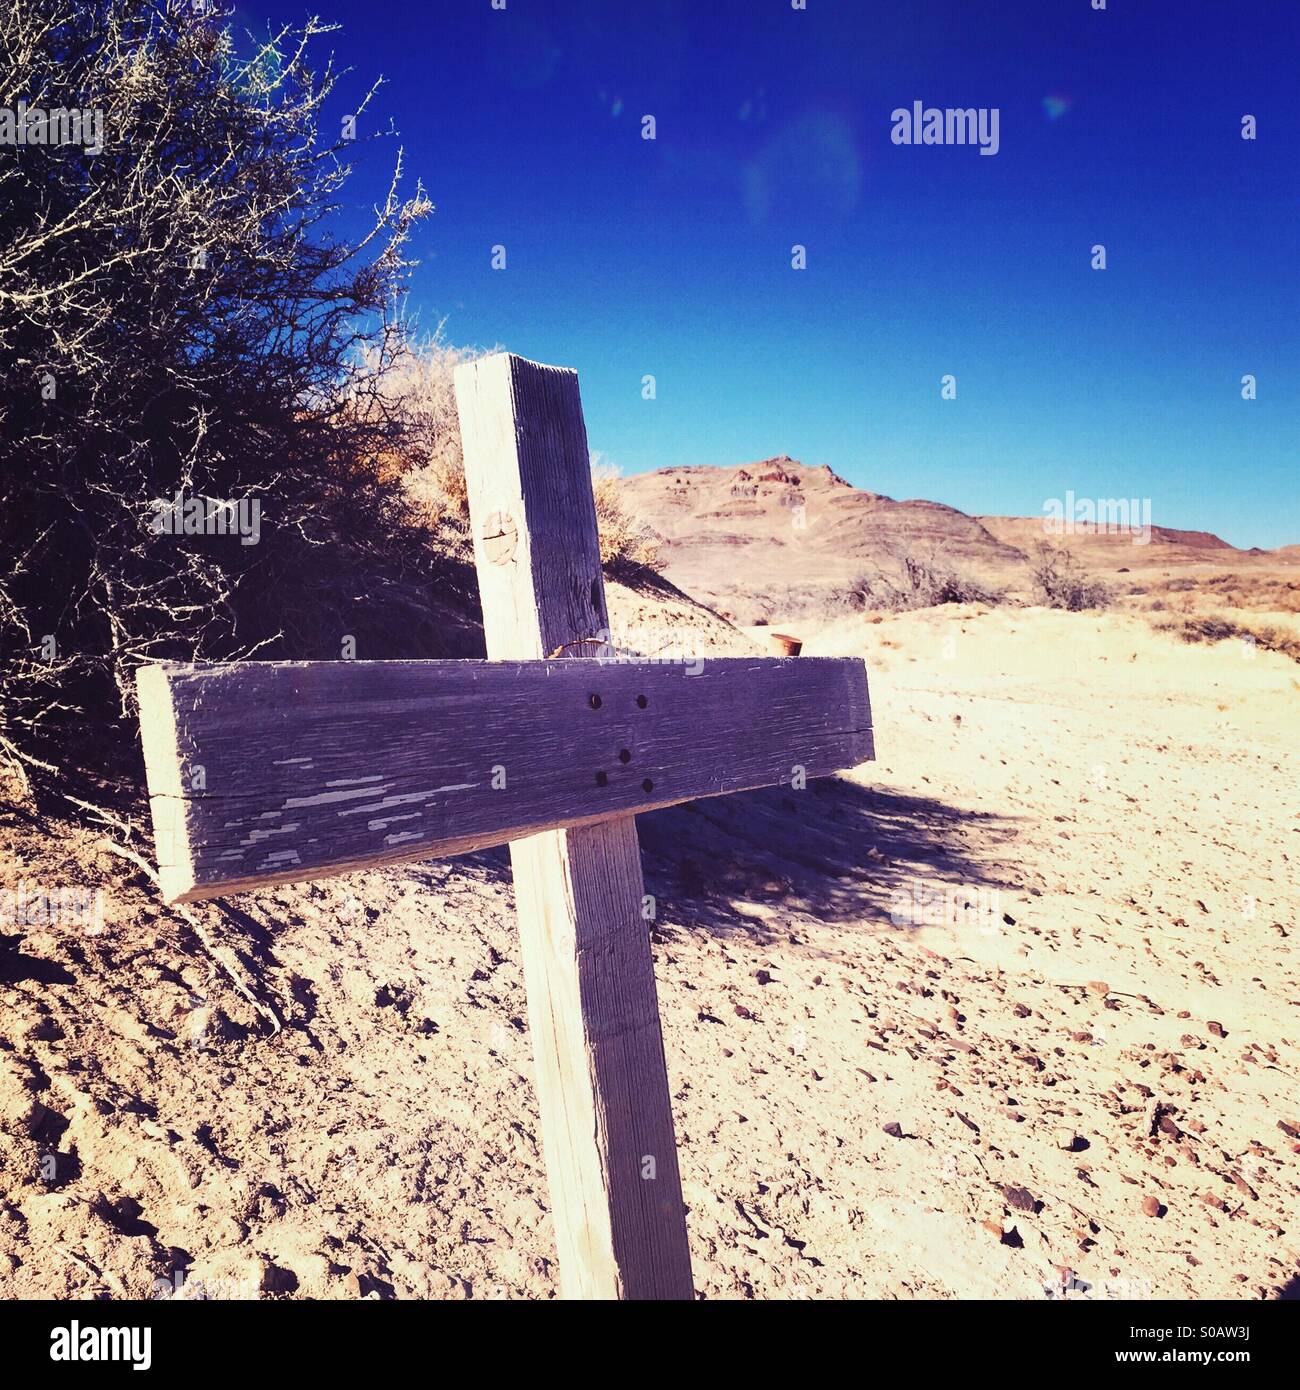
[[1073, 1074]]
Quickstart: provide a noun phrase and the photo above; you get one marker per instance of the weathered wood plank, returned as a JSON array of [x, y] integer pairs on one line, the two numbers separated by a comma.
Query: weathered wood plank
[[526, 462], [270, 772], [602, 1082]]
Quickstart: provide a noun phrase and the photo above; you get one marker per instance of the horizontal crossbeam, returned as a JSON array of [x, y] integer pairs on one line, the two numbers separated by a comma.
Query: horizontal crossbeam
[[275, 772]]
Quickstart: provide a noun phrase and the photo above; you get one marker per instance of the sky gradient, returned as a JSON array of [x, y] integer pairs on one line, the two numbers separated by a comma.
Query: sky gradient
[[672, 257]]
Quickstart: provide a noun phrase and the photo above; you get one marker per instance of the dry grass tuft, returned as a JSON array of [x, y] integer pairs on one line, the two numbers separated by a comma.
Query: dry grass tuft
[[418, 401], [627, 544], [1208, 627], [1243, 590]]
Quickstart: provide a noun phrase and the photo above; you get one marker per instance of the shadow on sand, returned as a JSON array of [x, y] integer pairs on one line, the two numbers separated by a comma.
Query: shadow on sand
[[835, 851]]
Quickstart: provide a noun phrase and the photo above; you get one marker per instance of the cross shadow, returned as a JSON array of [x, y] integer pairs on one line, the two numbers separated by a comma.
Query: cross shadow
[[836, 851]]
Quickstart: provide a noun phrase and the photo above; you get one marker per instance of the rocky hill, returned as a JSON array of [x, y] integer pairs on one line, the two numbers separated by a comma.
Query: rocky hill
[[774, 536]]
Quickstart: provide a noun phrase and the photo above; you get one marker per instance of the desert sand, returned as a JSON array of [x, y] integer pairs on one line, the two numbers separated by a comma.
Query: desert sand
[[1077, 1077]]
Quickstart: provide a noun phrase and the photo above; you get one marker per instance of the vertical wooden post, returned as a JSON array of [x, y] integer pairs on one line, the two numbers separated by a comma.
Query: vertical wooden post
[[602, 1083]]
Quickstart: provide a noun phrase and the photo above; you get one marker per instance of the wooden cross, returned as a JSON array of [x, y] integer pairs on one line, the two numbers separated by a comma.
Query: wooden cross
[[274, 772]]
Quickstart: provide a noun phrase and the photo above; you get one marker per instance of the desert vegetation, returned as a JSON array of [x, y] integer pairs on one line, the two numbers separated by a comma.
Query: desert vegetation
[[180, 317], [1245, 591], [908, 581], [1060, 581], [1261, 610], [1209, 628], [415, 402], [627, 544]]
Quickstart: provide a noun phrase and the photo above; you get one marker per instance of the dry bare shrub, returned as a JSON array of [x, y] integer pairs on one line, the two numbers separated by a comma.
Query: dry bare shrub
[[1060, 581], [911, 582], [175, 318]]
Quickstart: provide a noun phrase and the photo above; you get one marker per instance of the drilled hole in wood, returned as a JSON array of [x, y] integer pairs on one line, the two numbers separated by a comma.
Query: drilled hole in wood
[[647, 785], [642, 702], [594, 702], [624, 756], [602, 778]]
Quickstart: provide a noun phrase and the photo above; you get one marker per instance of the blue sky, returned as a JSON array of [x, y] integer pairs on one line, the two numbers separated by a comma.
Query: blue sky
[[671, 257]]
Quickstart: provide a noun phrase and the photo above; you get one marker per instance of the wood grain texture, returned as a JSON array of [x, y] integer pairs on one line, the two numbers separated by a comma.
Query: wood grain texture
[[271, 772], [525, 448], [602, 1082]]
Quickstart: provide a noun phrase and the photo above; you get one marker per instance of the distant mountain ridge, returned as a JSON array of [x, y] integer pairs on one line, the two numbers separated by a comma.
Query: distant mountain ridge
[[754, 539]]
